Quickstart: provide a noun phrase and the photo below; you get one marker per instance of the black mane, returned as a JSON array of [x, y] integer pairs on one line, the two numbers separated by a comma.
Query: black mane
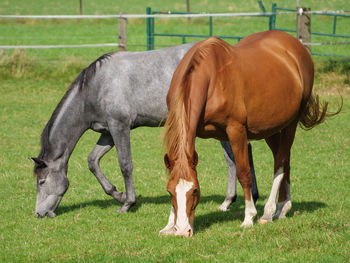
[[81, 81]]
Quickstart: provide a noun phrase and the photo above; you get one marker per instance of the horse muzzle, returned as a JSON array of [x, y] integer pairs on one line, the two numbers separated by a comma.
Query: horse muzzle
[[186, 232], [47, 206]]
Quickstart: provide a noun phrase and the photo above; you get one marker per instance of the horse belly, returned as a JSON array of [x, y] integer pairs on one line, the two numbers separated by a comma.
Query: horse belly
[[211, 131], [270, 114]]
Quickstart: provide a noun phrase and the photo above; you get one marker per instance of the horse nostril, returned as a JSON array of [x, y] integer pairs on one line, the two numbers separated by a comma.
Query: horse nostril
[[189, 232]]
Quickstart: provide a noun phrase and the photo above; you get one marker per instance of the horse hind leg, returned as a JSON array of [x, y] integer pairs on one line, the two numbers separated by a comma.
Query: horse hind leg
[[280, 145], [104, 145], [284, 200]]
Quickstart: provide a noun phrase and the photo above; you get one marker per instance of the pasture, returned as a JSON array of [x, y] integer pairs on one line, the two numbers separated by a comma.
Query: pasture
[[87, 227]]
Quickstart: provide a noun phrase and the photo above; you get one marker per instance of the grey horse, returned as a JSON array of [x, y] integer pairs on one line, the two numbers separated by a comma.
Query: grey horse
[[116, 93]]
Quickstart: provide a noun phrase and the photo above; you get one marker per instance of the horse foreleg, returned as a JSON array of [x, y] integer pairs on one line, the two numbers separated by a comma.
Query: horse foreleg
[[121, 136], [103, 145], [238, 140]]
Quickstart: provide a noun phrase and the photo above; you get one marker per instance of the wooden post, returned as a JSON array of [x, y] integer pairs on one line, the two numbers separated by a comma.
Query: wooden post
[[122, 37], [81, 7], [188, 10], [304, 25]]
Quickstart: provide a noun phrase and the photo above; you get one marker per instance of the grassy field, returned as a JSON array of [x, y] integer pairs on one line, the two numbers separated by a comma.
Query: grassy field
[[87, 227]]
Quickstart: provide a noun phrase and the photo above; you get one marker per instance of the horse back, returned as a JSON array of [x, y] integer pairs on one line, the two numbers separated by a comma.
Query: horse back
[[132, 86], [261, 82]]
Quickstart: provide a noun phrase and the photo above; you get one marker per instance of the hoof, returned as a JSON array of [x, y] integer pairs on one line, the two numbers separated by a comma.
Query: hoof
[[125, 208], [247, 223], [263, 221], [224, 207], [51, 214], [47, 214], [226, 204], [282, 209]]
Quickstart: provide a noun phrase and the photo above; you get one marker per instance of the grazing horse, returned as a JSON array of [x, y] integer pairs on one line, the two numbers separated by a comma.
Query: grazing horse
[[260, 88], [116, 93]]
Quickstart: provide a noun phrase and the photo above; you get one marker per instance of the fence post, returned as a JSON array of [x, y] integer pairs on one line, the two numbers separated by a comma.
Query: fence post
[[210, 26], [304, 25], [272, 18], [81, 7], [149, 29], [188, 10], [122, 37]]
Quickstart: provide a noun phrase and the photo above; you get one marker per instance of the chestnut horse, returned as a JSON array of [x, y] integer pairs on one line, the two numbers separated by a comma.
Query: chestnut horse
[[260, 88]]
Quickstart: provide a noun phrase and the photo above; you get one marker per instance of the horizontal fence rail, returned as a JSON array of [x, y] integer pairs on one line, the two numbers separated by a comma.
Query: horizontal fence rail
[[157, 14], [168, 14], [61, 46]]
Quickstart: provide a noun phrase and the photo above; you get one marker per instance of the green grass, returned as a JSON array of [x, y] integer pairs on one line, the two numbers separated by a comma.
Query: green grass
[[88, 229]]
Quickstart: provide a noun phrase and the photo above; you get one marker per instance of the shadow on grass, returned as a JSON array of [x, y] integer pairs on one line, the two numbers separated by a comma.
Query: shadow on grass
[[204, 221], [236, 212], [103, 204], [141, 200]]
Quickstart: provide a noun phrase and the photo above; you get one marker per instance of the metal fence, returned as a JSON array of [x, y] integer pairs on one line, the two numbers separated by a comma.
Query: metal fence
[[272, 17]]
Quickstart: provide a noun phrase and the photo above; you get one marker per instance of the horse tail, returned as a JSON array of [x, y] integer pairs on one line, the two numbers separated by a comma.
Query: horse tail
[[315, 112]]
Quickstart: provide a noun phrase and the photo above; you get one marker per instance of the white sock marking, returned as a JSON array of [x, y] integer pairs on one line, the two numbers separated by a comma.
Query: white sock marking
[[270, 206], [249, 212]]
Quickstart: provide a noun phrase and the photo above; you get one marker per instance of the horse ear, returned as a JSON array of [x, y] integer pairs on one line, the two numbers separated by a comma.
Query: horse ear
[[167, 162], [38, 162], [194, 160]]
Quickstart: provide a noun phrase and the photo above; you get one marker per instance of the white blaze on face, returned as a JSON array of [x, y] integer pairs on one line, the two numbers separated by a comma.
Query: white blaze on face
[[181, 190]]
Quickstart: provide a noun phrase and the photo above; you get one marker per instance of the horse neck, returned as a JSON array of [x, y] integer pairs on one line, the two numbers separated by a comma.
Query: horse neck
[[64, 128]]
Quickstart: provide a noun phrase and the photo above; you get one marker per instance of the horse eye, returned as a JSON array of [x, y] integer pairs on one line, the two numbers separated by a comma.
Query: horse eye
[[42, 181], [195, 191]]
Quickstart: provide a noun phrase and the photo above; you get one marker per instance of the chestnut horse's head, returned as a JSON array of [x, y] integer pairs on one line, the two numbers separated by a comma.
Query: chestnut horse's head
[[183, 188]]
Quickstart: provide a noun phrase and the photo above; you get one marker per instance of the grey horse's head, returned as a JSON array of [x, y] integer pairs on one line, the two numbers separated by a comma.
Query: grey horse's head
[[51, 184]]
